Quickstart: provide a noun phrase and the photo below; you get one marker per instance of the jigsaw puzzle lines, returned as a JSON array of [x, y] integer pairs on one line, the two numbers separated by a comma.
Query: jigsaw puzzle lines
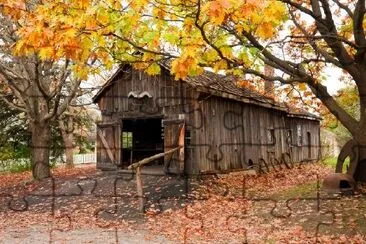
[[232, 121], [12, 203]]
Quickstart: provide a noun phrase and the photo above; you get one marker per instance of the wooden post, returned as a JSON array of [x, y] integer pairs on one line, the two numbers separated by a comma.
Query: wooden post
[[138, 167], [181, 149], [131, 156], [140, 193]]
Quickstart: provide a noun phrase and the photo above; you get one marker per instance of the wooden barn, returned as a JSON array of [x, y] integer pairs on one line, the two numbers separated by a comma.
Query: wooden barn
[[218, 126]]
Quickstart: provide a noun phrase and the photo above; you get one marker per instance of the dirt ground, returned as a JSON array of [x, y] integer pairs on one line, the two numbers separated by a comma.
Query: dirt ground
[[82, 207], [87, 206]]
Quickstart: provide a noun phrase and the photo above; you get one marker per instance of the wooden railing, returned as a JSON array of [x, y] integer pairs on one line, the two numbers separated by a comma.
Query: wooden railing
[[138, 166]]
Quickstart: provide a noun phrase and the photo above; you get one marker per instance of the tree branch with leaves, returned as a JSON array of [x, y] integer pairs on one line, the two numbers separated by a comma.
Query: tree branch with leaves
[[299, 39]]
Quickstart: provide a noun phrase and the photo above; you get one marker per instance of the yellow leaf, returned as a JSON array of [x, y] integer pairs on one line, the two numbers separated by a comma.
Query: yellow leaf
[[82, 3], [188, 23], [154, 69], [220, 65], [210, 55], [216, 12], [46, 53], [302, 87], [227, 51], [103, 17], [70, 33], [81, 71], [265, 30], [181, 67]]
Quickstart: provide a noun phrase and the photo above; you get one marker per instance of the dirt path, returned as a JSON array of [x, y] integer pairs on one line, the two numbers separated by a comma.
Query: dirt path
[[82, 207], [40, 234]]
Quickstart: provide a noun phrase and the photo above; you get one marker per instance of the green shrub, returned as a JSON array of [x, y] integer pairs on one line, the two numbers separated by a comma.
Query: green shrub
[[20, 166], [15, 165]]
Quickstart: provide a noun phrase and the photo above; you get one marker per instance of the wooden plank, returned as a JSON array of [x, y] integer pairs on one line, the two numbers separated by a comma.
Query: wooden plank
[[181, 150], [140, 193], [106, 146], [118, 143]]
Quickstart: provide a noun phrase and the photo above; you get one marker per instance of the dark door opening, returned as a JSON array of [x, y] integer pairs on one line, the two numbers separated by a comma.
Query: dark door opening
[[141, 138]]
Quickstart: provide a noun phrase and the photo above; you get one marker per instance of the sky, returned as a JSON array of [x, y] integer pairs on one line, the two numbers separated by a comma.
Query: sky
[[332, 81]]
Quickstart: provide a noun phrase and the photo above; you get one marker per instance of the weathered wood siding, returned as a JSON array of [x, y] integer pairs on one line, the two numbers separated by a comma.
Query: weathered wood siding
[[108, 146], [170, 100], [229, 134], [223, 134], [169, 97], [300, 144]]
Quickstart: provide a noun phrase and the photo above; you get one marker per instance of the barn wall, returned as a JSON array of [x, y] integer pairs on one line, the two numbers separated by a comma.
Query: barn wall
[[300, 144], [216, 142], [232, 134]]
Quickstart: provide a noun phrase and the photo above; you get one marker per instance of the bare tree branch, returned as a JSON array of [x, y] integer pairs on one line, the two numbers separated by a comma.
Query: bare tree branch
[[358, 29], [344, 7]]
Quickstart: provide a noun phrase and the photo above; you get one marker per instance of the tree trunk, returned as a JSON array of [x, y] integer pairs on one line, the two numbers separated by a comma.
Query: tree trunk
[[68, 142], [67, 133], [350, 150], [40, 150], [355, 149], [360, 168]]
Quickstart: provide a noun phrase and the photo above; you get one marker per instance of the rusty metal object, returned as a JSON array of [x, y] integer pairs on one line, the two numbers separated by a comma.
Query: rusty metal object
[[339, 183], [357, 165]]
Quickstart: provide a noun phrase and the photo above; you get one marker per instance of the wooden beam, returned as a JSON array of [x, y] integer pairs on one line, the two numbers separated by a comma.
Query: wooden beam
[[181, 149], [152, 158]]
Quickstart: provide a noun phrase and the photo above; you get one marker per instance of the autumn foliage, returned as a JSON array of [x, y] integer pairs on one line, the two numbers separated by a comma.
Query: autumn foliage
[[108, 30], [299, 39]]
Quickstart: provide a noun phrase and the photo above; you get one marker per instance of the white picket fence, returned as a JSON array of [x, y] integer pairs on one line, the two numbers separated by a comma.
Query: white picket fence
[[85, 158]]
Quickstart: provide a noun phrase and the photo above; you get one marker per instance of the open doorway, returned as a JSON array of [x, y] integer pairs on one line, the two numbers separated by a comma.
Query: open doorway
[[141, 138]]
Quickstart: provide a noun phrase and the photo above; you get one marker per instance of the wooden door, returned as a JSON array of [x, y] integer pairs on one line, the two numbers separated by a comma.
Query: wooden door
[[174, 132], [108, 146]]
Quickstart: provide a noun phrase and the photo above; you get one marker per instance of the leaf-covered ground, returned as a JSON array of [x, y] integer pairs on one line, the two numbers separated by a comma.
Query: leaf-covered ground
[[274, 208], [83, 205]]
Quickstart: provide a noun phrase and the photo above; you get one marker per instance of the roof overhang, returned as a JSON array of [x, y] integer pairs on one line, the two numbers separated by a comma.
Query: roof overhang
[[219, 93]]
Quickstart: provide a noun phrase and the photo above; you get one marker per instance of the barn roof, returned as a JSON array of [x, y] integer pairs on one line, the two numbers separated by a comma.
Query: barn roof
[[223, 86]]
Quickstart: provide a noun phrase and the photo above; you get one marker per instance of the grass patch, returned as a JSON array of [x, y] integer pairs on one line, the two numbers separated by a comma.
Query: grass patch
[[332, 163], [303, 190]]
